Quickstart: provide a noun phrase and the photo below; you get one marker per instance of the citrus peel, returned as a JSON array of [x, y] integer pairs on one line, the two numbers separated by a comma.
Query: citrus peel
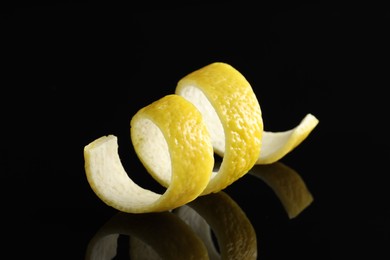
[[232, 115], [214, 110], [172, 141], [275, 145]]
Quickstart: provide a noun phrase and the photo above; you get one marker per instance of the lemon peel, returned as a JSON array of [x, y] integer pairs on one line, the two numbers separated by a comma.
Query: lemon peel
[[170, 138], [275, 145], [214, 110], [232, 115]]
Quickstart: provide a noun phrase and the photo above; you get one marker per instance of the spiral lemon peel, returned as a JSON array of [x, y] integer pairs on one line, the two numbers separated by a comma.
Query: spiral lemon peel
[[213, 110], [171, 140]]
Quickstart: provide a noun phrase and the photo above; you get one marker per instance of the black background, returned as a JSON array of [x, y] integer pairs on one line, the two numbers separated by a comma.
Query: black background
[[74, 71]]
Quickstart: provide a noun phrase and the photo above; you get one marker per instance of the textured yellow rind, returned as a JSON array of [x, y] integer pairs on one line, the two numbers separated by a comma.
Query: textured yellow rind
[[191, 159], [213, 110], [237, 107], [189, 146]]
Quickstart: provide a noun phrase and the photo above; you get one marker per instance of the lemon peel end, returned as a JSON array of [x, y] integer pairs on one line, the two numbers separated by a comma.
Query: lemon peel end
[[275, 145]]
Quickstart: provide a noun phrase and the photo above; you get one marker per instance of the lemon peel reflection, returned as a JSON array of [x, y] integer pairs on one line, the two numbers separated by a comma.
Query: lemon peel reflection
[[200, 227], [183, 233], [165, 233], [214, 111], [217, 212], [187, 231], [288, 186]]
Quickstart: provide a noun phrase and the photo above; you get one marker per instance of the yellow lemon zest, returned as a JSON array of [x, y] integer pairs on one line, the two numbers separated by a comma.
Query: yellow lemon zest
[[171, 139], [214, 110]]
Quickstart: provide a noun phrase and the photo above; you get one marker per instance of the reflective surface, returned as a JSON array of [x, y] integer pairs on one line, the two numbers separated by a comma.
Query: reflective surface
[[166, 236], [223, 228], [75, 72]]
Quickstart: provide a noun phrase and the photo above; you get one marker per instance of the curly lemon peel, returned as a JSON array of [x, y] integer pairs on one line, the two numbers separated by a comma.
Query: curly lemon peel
[[171, 140], [213, 110], [232, 115], [275, 145]]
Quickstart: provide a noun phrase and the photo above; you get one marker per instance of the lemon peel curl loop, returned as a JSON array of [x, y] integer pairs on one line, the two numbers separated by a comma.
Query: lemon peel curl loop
[[213, 110]]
